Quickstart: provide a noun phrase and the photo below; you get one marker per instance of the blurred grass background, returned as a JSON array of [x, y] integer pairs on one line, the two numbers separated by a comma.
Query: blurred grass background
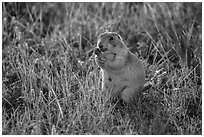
[[51, 85]]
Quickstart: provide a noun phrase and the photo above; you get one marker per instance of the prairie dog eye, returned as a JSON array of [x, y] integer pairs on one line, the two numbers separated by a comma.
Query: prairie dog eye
[[111, 38]]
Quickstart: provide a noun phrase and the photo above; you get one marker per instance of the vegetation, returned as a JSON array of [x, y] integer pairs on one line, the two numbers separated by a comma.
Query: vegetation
[[52, 85]]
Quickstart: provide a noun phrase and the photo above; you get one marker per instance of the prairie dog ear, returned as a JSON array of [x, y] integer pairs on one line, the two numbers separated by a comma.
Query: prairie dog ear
[[118, 36]]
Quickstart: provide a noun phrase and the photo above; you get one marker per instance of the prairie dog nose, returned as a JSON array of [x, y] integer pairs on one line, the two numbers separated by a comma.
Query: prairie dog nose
[[97, 51], [102, 48]]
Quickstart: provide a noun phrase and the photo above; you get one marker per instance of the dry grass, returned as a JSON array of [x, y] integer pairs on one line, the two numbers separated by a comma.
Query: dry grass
[[50, 86]]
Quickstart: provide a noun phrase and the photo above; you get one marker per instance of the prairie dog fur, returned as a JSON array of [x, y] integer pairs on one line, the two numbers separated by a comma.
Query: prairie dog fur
[[123, 73]]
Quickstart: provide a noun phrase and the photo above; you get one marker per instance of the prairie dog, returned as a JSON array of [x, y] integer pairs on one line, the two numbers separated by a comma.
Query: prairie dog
[[123, 73]]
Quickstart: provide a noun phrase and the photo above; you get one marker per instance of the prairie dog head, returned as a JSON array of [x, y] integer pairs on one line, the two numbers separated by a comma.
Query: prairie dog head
[[111, 42]]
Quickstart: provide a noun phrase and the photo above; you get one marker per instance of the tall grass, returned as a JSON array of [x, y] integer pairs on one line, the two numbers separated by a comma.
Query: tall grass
[[52, 85]]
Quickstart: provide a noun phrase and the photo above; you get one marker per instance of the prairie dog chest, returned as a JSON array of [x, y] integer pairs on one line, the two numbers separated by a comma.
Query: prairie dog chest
[[118, 77]]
